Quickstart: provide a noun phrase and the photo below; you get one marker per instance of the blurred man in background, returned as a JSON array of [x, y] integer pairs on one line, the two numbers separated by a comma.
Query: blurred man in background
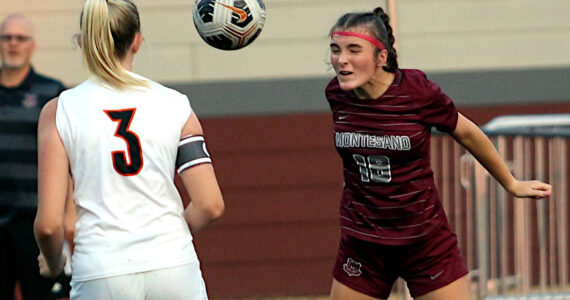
[[23, 92]]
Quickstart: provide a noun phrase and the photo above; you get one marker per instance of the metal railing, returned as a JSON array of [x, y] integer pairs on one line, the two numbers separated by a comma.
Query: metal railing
[[515, 248]]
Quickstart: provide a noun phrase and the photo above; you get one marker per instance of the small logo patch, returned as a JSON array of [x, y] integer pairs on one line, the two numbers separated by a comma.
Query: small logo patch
[[436, 275], [30, 100], [352, 267], [242, 13]]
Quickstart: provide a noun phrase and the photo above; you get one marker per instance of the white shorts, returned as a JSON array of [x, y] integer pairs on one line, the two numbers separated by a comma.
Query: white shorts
[[177, 283]]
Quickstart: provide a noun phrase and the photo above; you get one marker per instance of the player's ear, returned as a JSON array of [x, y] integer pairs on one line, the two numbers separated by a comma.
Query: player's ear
[[137, 42], [382, 58]]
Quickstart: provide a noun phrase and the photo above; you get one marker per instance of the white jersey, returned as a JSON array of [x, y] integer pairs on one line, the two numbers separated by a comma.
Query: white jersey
[[122, 149]]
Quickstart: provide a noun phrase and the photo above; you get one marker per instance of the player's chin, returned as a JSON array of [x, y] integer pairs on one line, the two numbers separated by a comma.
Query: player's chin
[[347, 85]]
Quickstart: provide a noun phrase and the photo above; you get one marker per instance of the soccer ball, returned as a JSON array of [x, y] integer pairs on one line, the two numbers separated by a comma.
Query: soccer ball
[[229, 24]]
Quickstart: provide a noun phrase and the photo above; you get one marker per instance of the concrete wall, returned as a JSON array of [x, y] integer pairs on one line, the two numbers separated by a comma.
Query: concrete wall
[[433, 35]]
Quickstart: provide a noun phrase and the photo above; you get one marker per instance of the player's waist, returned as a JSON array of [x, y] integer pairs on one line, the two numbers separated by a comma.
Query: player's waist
[[390, 234], [90, 262]]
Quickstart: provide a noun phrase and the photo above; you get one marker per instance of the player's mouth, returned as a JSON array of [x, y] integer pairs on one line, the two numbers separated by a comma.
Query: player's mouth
[[344, 73]]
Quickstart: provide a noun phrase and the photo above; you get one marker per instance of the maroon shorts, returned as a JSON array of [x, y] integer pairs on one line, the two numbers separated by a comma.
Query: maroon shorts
[[426, 266]]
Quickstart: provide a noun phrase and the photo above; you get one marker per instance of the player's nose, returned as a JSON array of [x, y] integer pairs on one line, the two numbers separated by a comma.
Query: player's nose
[[342, 57]]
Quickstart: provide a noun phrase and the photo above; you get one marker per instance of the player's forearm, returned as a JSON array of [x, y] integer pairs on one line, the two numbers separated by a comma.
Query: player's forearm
[[487, 155], [479, 145]]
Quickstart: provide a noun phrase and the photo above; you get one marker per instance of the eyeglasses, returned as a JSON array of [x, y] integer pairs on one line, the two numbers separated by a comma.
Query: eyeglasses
[[19, 38]]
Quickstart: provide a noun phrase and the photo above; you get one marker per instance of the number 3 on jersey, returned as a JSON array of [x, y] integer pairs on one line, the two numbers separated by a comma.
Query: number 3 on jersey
[[131, 165], [375, 168]]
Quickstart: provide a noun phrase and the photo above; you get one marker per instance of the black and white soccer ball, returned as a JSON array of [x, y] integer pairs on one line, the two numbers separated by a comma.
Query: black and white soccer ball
[[229, 24]]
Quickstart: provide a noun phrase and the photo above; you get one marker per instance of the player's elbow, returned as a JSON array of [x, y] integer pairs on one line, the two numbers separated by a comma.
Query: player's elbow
[[215, 209], [45, 229]]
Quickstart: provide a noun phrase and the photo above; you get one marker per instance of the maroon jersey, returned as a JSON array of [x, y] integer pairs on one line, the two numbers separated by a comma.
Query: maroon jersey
[[389, 194]]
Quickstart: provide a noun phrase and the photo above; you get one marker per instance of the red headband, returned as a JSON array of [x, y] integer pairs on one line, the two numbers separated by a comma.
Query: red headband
[[372, 40]]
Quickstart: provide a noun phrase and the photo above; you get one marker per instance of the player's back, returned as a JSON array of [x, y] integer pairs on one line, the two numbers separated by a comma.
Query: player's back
[[122, 149]]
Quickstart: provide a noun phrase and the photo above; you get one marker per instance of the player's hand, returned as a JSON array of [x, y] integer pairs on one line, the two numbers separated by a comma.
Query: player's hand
[[45, 270], [530, 189]]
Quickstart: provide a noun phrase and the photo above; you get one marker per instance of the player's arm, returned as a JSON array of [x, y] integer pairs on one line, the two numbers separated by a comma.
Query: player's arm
[[53, 174], [473, 139], [70, 217], [198, 177]]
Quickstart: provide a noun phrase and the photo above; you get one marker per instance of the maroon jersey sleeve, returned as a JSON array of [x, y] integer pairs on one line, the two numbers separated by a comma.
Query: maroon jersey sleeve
[[439, 111]]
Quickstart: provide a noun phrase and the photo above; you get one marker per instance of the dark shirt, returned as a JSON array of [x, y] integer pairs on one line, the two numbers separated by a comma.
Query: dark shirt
[[389, 195], [19, 111]]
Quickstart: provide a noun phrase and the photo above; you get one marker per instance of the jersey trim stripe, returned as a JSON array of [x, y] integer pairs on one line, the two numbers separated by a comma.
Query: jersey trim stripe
[[193, 163]]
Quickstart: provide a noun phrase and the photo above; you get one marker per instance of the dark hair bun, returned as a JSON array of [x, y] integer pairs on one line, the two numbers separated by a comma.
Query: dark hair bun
[[380, 13]]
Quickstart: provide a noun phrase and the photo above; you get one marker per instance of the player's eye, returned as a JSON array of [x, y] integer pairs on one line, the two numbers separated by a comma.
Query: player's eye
[[355, 49]]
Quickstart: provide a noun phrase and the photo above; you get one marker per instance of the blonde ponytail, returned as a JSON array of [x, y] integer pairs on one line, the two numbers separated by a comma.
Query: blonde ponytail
[[108, 29]]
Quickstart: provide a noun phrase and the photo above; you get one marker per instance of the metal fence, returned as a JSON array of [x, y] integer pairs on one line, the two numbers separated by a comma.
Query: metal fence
[[515, 248]]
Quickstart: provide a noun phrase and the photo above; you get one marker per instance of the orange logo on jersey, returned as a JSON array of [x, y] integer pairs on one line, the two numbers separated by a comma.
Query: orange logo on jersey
[[242, 13]]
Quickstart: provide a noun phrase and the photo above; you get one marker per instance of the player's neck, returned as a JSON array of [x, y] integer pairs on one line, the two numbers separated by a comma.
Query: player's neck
[[127, 61], [376, 86], [12, 77]]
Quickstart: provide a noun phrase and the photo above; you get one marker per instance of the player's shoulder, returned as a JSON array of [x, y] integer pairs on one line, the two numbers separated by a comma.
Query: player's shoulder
[[49, 110], [169, 95], [160, 88], [413, 75], [417, 81], [156, 87]]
